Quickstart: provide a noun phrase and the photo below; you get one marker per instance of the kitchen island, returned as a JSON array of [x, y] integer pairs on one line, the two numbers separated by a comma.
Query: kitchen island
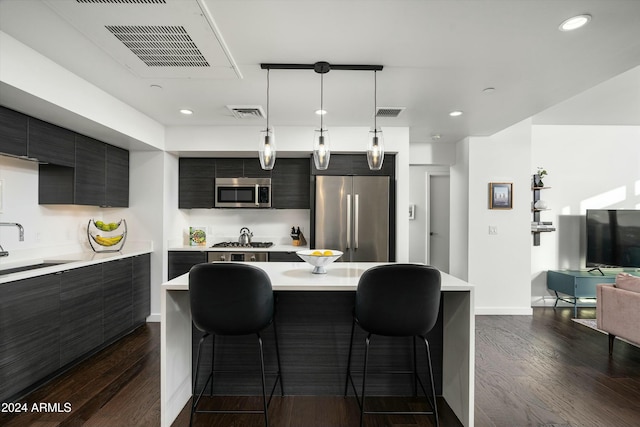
[[315, 310]]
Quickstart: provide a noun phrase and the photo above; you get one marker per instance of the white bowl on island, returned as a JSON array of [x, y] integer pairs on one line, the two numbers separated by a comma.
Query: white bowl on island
[[319, 258]]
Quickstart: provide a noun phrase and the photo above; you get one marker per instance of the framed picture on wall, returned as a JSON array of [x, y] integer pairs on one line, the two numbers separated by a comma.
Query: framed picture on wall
[[500, 195]]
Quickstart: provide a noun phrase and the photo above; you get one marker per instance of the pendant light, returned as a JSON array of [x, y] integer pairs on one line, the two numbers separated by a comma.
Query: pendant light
[[321, 148], [267, 147], [375, 145]]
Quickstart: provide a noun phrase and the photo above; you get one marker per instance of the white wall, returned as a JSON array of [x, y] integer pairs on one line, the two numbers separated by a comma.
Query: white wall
[[499, 264], [459, 221], [589, 167]]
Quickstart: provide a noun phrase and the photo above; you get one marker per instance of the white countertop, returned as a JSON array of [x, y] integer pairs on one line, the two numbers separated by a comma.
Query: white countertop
[[297, 276], [70, 261]]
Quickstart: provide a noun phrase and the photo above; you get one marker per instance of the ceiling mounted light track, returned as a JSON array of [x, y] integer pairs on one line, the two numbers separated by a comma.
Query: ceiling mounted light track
[[321, 150], [320, 67]]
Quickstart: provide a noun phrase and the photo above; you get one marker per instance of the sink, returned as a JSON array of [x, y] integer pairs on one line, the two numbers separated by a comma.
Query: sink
[[30, 267]]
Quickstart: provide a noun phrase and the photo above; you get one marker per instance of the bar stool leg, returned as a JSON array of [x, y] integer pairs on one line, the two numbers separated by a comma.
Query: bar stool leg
[[279, 377], [433, 388], [264, 392], [415, 368], [213, 354], [364, 377], [194, 400], [346, 382]]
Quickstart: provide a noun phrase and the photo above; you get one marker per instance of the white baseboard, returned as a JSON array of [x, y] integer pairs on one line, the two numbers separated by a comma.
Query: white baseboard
[[154, 318]]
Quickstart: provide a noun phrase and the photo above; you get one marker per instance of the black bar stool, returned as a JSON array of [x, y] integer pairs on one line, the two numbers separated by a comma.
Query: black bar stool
[[396, 300], [232, 299]]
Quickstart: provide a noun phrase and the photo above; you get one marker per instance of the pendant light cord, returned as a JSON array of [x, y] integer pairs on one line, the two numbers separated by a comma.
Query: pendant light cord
[[268, 100], [321, 102], [375, 101]]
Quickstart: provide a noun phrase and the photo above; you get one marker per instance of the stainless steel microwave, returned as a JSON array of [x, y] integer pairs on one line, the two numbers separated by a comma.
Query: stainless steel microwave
[[243, 193]]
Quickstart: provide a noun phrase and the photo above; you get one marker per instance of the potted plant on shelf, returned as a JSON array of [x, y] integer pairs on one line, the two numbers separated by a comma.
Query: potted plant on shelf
[[537, 178]]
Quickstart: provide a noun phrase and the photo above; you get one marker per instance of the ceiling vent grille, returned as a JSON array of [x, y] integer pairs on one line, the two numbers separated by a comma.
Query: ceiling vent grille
[[246, 111], [389, 111], [123, 1], [160, 45]]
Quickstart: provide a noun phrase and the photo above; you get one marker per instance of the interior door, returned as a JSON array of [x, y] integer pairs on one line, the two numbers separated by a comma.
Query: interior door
[[438, 227], [332, 195], [370, 240]]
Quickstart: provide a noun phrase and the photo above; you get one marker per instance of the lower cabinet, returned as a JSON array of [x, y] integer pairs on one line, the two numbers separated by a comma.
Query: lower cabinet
[[284, 257], [80, 312], [48, 323], [117, 297], [180, 262], [29, 331]]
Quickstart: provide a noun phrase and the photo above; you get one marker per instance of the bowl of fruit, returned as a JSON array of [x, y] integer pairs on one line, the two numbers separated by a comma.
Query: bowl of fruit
[[319, 258], [106, 236]]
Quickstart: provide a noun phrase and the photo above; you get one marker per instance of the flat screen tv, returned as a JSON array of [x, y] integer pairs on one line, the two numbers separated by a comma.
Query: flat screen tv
[[613, 238]]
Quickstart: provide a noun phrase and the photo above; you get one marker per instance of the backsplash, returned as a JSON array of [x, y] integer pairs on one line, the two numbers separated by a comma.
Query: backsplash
[[265, 224]]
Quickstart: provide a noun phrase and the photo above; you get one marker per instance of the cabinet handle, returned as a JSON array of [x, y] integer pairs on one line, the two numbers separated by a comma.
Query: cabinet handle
[[357, 215]]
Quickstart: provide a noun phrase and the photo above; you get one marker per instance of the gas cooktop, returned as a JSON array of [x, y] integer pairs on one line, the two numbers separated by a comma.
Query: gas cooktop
[[245, 245]]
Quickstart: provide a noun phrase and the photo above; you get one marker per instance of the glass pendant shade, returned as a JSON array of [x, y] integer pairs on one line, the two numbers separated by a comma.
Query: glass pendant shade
[[375, 150], [321, 149], [267, 149]]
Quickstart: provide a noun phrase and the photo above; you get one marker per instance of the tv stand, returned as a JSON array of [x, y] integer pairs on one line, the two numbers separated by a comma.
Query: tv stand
[[572, 285], [595, 269]]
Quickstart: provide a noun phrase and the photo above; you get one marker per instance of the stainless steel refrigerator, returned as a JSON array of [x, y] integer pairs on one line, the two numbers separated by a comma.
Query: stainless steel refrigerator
[[352, 215]]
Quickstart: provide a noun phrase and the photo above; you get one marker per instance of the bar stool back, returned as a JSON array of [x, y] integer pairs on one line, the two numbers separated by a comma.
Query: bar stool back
[[231, 299], [396, 300]]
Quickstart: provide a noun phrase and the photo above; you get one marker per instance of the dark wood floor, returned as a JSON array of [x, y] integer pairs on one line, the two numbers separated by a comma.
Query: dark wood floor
[[540, 370]]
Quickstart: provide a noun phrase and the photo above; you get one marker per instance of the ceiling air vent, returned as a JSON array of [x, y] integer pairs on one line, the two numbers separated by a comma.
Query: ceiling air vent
[[123, 1], [160, 45], [246, 111], [389, 111]]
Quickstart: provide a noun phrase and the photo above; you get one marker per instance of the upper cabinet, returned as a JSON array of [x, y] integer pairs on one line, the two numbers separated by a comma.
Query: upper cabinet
[[355, 164], [73, 169], [51, 144], [13, 132], [289, 180], [290, 184]]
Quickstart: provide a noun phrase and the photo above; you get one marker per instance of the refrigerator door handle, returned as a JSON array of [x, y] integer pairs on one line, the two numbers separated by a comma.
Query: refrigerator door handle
[[357, 217], [348, 221]]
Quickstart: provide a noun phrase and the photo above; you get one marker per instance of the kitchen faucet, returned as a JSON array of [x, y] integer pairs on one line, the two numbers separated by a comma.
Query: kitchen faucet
[[4, 253]]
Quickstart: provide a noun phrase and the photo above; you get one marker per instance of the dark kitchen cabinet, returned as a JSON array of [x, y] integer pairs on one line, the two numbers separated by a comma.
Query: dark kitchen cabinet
[[49, 323], [180, 262], [90, 171], [29, 332], [284, 257], [117, 297], [236, 168], [51, 144], [355, 164], [81, 312], [290, 184], [117, 177], [195, 183], [13, 132], [99, 176], [141, 288]]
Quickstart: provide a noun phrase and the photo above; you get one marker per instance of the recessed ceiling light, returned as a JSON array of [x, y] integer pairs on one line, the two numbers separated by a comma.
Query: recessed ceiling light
[[455, 113], [489, 90], [435, 136], [186, 112], [575, 22], [321, 112], [155, 86]]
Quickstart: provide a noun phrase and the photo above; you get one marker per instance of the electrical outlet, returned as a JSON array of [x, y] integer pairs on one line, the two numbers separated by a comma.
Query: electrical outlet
[[493, 230]]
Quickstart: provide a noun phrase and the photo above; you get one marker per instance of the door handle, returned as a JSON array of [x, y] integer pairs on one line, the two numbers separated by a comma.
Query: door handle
[[348, 221], [356, 210], [257, 195]]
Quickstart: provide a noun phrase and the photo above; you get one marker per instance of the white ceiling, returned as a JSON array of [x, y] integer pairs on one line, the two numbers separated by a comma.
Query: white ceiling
[[438, 56]]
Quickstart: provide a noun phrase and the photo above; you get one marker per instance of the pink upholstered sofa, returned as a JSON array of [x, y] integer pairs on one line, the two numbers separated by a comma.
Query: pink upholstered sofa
[[618, 308]]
